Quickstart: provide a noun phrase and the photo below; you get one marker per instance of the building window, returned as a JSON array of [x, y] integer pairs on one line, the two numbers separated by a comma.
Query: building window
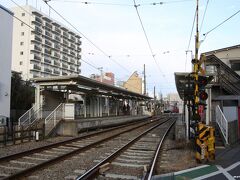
[[22, 24], [23, 14], [21, 43], [235, 66], [21, 53], [20, 63], [22, 33]]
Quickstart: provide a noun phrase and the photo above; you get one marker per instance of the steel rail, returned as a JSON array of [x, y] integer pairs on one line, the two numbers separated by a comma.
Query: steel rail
[[38, 149], [94, 171], [149, 174], [39, 166]]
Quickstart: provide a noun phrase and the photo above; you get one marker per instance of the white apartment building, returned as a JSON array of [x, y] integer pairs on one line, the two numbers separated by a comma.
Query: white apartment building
[[46, 49], [6, 25]]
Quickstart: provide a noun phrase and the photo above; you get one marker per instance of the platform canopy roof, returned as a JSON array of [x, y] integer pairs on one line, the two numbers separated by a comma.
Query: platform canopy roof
[[78, 83], [181, 80]]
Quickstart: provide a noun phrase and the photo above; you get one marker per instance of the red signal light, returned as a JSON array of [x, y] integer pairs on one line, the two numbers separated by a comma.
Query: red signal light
[[203, 95]]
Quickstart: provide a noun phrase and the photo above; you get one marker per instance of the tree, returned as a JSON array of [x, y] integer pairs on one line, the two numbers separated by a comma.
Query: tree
[[22, 93]]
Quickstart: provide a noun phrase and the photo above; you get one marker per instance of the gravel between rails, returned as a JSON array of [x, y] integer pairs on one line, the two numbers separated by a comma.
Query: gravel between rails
[[81, 162]]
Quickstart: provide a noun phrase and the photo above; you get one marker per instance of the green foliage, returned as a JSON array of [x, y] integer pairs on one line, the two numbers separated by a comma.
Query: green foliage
[[22, 93]]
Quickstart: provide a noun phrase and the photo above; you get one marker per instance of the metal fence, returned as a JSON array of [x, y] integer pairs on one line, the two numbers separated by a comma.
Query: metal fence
[[54, 117], [18, 134], [222, 123]]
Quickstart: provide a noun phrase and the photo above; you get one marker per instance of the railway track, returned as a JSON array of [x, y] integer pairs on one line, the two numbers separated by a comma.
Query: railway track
[[134, 160], [22, 164]]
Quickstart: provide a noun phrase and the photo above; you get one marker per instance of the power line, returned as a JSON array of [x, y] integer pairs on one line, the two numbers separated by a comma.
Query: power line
[[86, 37], [145, 34], [204, 15], [118, 4], [205, 34], [190, 38]]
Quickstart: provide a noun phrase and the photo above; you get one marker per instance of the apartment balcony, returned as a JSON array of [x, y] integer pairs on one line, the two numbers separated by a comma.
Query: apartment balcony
[[79, 63], [47, 70], [37, 38], [65, 50], [72, 68], [64, 66], [37, 48], [56, 55], [73, 53], [56, 63], [57, 30], [48, 43], [56, 72], [73, 46], [56, 46], [38, 30], [65, 58], [65, 42], [48, 61], [48, 34], [73, 39], [65, 34], [79, 42], [36, 67], [57, 38], [48, 52], [35, 57], [72, 61], [38, 20], [48, 25], [79, 56], [79, 49], [64, 73]]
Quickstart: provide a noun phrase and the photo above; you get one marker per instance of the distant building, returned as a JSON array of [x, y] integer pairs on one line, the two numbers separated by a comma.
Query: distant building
[[107, 78], [46, 49], [173, 101], [134, 83], [6, 26], [229, 55]]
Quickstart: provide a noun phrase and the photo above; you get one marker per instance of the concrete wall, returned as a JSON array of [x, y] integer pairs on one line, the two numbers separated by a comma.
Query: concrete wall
[[6, 24]]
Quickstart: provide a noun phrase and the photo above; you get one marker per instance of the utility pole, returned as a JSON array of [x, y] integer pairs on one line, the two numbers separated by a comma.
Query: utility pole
[[144, 81], [154, 92], [101, 76]]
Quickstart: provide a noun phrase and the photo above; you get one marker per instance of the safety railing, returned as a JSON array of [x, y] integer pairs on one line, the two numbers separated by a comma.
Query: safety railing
[[54, 117], [30, 116], [222, 123]]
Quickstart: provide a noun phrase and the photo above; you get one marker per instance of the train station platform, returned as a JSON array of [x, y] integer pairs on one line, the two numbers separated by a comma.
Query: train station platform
[[226, 166]]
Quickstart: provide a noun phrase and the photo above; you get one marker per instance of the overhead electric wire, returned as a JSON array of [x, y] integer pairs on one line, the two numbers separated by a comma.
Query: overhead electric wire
[[204, 14], [145, 34], [205, 34], [118, 4], [98, 48], [190, 38]]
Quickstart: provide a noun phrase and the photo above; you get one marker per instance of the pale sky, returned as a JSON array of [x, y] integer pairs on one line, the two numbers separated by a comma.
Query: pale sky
[[113, 26]]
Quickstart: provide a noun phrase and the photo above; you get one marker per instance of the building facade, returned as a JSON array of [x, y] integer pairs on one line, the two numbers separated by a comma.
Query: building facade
[[46, 49], [134, 83], [229, 55], [6, 25], [107, 78]]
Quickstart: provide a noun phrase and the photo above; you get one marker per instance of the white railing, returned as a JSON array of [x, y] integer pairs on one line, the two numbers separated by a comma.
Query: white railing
[[54, 117], [30, 116], [222, 123]]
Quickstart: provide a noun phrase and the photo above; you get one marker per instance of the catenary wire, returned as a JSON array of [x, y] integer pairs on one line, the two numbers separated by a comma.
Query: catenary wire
[[90, 41], [205, 34], [190, 38], [145, 34], [204, 14]]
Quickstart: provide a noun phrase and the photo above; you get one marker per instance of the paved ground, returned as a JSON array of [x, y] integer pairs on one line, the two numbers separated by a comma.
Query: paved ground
[[226, 166]]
